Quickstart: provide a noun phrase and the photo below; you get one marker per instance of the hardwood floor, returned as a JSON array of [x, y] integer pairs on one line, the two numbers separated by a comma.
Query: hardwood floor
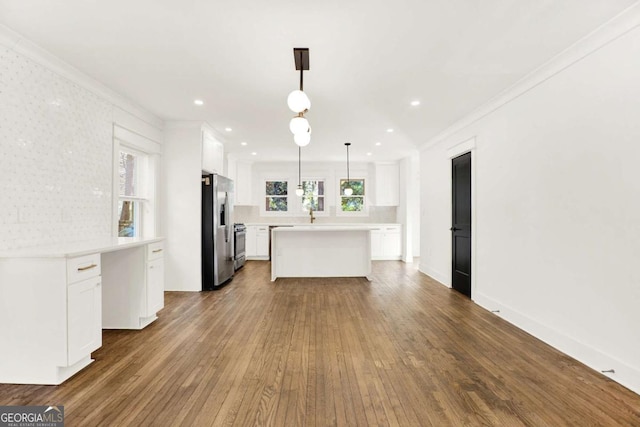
[[401, 350]]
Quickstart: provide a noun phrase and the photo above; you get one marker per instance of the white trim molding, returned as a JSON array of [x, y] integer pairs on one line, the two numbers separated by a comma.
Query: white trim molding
[[19, 44], [621, 24]]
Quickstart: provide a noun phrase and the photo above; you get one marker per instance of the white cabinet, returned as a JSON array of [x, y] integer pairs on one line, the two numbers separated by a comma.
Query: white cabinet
[[240, 172], [387, 184], [212, 154], [61, 297], [153, 300], [257, 242], [386, 243], [84, 319], [262, 242], [84, 307]]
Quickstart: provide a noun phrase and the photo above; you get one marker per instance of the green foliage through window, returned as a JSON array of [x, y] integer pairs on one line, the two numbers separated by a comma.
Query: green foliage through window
[[355, 202], [313, 196], [276, 196]]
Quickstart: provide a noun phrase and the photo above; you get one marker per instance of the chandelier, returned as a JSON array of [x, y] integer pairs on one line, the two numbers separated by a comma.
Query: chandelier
[[299, 102]]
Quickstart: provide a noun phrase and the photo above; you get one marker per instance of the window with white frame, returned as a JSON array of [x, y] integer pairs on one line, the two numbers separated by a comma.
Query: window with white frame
[[276, 196], [356, 201], [133, 184], [313, 196]]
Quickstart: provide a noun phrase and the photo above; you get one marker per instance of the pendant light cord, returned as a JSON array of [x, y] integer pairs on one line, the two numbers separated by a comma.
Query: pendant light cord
[[348, 179], [299, 151]]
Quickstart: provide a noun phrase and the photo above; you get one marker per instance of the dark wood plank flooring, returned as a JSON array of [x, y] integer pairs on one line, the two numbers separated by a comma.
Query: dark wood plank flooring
[[401, 350]]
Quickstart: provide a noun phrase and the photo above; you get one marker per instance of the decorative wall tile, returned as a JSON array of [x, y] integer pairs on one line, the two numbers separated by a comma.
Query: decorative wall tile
[[55, 157]]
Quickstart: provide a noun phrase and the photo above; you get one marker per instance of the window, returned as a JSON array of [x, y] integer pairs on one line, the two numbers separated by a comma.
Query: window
[[276, 196], [313, 196], [132, 167], [355, 202]]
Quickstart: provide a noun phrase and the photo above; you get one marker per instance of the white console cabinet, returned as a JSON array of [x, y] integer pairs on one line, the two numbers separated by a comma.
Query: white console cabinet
[[55, 301], [386, 242]]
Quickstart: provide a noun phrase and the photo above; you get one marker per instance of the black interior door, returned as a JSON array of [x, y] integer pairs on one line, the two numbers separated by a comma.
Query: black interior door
[[461, 224]]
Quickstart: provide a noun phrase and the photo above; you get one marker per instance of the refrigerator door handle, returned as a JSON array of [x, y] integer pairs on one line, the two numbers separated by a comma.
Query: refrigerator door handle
[[227, 229]]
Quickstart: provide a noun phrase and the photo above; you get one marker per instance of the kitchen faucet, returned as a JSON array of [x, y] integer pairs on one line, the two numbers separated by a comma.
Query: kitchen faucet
[[311, 217]]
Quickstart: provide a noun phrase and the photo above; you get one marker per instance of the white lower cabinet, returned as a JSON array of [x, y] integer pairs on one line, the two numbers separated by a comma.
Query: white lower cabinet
[[84, 319], [386, 243], [154, 298], [257, 242]]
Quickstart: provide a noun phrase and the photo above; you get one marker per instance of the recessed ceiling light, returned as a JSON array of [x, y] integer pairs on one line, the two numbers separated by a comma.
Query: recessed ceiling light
[[415, 103], [254, 153], [378, 144], [198, 101], [228, 129], [389, 130], [368, 154], [243, 143]]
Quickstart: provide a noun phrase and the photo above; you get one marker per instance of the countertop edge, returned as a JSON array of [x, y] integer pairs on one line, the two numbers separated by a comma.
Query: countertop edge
[[67, 250]]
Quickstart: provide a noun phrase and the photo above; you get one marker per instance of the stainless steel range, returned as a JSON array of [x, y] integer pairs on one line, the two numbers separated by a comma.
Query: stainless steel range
[[239, 233]]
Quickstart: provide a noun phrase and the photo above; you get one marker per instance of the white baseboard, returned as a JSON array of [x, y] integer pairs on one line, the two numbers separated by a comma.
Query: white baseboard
[[624, 374], [434, 274]]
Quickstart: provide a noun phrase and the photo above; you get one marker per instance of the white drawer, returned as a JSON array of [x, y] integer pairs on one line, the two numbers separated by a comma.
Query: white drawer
[[392, 228], [83, 267], [262, 228], [155, 250]]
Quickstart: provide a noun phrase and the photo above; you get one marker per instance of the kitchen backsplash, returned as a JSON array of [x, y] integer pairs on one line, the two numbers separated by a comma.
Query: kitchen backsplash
[[377, 215], [55, 157]]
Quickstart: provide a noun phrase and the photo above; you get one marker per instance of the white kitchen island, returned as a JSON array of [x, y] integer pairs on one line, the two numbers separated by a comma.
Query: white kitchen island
[[321, 251]]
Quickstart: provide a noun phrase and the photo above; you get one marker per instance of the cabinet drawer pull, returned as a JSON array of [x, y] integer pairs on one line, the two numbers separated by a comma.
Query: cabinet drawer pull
[[156, 251], [88, 267]]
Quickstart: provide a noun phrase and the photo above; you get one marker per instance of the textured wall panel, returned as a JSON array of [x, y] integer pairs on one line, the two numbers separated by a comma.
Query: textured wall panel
[[55, 157]]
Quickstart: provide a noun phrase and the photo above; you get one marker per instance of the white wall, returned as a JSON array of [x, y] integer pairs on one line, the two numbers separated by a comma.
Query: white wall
[[182, 206], [56, 143], [557, 202]]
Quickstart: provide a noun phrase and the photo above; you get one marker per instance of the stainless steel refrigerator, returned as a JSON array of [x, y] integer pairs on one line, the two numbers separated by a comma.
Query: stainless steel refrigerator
[[217, 231]]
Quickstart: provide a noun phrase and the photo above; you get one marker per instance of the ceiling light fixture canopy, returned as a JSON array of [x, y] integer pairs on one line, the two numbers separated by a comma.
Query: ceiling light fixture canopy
[[347, 189], [299, 102]]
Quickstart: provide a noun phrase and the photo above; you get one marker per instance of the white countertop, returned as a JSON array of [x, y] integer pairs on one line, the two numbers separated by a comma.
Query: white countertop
[[337, 224], [299, 228], [80, 248]]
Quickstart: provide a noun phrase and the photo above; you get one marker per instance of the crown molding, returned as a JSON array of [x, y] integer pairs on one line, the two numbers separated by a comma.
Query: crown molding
[[621, 24], [19, 44]]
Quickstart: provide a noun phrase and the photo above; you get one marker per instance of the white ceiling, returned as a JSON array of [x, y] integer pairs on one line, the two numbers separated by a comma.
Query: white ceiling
[[368, 59]]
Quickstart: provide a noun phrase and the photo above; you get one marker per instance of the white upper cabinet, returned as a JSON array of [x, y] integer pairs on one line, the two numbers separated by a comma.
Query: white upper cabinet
[[212, 154], [242, 181], [387, 184]]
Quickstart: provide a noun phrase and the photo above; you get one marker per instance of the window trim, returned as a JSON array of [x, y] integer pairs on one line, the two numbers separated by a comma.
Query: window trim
[[148, 181]]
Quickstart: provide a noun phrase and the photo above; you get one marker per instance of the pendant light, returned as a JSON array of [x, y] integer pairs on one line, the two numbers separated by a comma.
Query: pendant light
[[299, 190], [299, 102], [348, 190]]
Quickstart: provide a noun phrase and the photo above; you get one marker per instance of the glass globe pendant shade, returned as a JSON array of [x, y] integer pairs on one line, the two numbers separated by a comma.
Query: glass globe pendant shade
[[299, 191], [298, 125], [302, 139], [348, 191], [298, 101]]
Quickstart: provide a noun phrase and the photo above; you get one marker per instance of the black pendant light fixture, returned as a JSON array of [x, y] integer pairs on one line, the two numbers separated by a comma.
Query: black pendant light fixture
[[299, 102], [299, 190], [347, 189]]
